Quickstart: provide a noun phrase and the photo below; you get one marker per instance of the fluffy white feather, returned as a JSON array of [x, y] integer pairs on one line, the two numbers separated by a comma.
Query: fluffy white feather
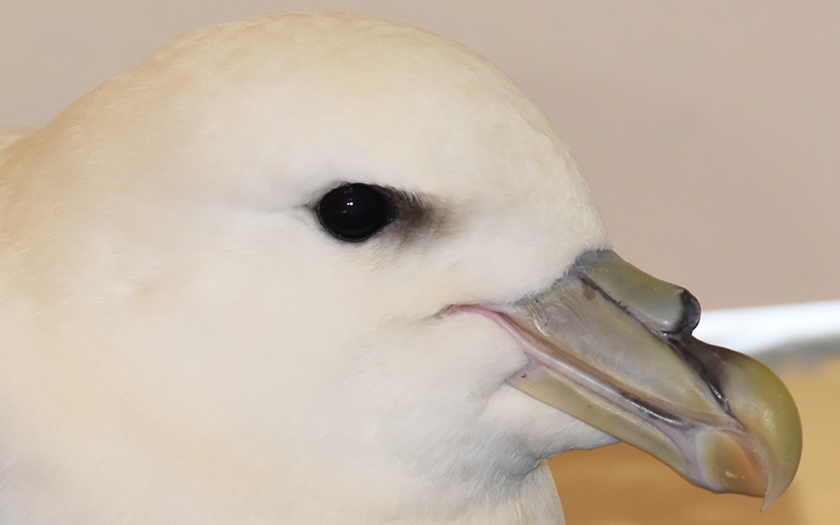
[[184, 343]]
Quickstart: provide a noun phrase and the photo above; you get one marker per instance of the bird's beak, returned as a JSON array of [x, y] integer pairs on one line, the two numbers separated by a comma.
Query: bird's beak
[[612, 346]]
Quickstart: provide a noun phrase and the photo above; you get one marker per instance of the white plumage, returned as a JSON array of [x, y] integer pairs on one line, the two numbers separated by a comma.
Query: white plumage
[[183, 342]]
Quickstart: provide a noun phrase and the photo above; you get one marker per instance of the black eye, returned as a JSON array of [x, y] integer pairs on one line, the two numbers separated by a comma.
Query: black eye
[[354, 212]]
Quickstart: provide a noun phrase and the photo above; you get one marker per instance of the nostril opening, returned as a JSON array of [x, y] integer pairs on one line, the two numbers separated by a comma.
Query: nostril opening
[[691, 311]]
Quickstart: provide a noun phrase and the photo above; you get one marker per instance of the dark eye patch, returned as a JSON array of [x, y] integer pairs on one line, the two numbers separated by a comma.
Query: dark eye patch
[[355, 212]]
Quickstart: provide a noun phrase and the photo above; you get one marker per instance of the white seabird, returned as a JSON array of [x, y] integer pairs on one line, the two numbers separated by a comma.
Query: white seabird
[[320, 268]]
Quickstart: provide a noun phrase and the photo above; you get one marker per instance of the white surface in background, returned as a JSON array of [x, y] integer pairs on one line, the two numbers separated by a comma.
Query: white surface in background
[[751, 330]]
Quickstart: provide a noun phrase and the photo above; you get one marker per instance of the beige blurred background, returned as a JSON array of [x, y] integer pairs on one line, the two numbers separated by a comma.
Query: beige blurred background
[[709, 131]]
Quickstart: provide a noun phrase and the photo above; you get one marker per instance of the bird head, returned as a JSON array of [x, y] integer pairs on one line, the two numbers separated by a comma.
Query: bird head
[[313, 266]]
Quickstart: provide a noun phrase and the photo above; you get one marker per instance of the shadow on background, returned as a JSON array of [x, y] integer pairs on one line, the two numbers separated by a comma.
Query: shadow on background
[[620, 485]]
